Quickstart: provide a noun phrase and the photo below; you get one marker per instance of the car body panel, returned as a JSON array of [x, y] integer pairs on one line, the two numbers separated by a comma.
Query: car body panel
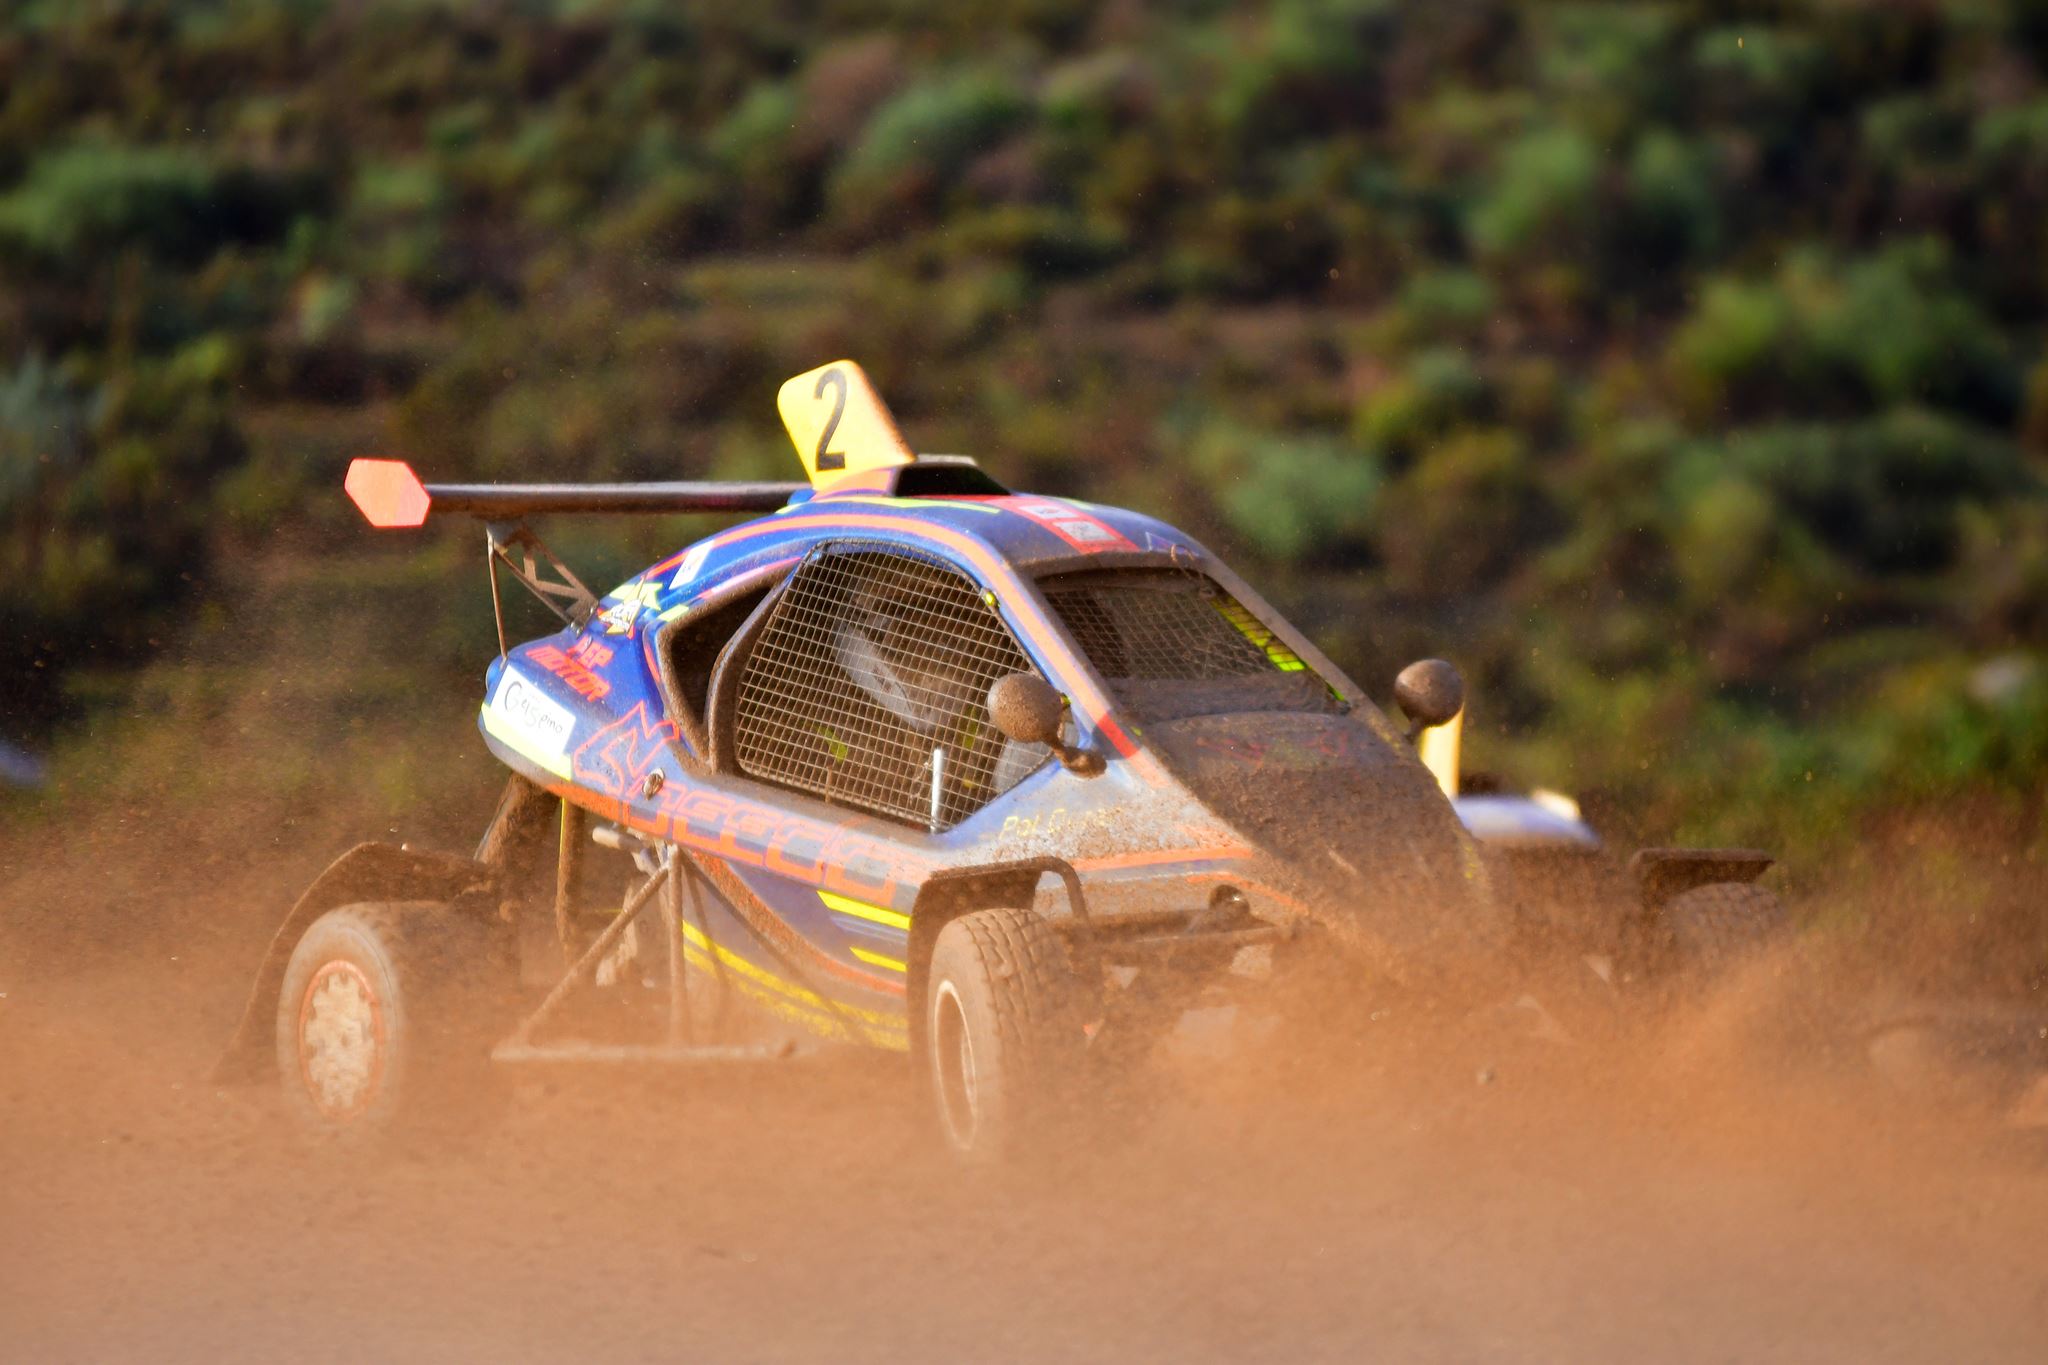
[[814, 900]]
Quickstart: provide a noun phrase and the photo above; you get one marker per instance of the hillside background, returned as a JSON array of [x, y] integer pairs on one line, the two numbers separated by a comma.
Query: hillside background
[[1676, 368]]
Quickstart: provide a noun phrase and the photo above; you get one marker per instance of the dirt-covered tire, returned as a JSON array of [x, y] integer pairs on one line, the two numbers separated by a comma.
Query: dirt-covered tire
[[385, 1021], [1712, 927], [1003, 1040]]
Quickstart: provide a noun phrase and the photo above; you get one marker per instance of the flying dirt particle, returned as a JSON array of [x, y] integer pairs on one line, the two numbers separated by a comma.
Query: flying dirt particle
[[1485, 1076], [720, 1253]]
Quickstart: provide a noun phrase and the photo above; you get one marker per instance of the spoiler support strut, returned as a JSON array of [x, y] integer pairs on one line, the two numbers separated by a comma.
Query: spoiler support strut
[[563, 594]]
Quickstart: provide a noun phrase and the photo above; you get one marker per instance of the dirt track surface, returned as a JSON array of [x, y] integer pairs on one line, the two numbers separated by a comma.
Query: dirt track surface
[[1624, 1210]]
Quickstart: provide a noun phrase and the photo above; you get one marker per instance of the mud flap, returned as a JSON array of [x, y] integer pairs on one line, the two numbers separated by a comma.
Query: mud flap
[[367, 872], [1662, 873]]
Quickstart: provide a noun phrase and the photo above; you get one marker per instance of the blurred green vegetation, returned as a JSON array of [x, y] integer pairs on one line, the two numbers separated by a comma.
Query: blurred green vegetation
[[1675, 367]]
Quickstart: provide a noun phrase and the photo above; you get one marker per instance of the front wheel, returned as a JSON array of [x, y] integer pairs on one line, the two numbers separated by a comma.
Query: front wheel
[[383, 1021], [1003, 1032]]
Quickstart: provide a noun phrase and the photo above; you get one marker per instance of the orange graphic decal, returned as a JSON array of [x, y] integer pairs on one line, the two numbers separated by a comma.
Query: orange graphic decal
[[618, 758], [573, 671]]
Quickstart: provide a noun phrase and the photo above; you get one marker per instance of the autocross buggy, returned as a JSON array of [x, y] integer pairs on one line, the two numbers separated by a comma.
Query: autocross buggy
[[910, 762]]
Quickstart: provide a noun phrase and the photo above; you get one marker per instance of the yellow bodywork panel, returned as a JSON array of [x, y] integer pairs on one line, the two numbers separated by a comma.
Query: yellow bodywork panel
[[1439, 746], [839, 424]]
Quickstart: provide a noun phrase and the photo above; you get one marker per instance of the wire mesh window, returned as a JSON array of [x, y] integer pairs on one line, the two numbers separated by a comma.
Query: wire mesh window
[[872, 662], [1171, 643]]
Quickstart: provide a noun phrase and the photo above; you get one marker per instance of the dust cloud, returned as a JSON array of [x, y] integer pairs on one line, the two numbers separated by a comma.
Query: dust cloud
[[1720, 1184]]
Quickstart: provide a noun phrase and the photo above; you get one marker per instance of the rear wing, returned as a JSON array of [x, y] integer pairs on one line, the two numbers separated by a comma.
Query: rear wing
[[390, 495], [841, 429]]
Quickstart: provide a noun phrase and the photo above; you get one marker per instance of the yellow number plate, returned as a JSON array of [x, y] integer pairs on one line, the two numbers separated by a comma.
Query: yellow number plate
[[839, 423]]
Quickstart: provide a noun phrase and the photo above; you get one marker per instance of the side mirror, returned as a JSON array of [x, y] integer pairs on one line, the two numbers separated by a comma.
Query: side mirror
[[1430, 693], [1025, 708]]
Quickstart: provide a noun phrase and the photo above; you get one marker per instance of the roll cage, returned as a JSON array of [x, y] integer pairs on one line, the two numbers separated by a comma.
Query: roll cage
[[703, 657]]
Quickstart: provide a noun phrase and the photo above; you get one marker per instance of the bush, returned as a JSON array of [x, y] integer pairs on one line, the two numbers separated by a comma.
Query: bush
[[1293, 498], [42, 436], [110, 524], [1447, 301], [90, 199], [1543, 192], [1314, 68], [1441, 389], [1607, 67], [1832, 336], [1885, 492], [754, 141], [1674, 210], [1453, 522], [1738, 333], [923, 138], [1908, 334]]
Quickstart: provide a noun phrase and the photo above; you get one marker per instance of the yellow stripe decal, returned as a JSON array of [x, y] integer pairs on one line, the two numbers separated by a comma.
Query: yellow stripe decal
[[812, 1008], [845, 905], [883, 500], [894, 1037], [1248, 625], [877, 960]]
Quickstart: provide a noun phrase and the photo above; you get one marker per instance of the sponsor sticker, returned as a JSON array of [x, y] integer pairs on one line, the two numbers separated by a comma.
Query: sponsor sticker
[[629, 599], [1071, 524], [531, 722], [692, 565]]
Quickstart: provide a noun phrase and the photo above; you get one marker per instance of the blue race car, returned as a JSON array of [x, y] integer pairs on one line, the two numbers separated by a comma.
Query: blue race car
[[911, 762]]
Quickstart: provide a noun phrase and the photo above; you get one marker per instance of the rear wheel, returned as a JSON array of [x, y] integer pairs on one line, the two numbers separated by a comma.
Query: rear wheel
[[1712, 927], [1003, 1032], [384, 1022]]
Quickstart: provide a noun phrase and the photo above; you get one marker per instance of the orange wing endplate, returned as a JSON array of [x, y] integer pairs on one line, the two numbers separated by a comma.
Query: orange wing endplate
[[388, 493]]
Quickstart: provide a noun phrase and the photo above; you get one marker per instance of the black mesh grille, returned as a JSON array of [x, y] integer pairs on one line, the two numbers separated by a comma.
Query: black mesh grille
[[872, 660], [1172, 643]]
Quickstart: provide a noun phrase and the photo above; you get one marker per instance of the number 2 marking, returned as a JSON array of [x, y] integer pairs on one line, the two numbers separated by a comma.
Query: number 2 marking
[[827, 458]]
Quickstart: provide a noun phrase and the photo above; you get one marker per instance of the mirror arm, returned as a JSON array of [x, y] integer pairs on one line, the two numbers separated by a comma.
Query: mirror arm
[[1078, 761], [1075, 759]]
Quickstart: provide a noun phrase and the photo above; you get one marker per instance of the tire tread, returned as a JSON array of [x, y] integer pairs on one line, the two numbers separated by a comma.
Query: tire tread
[[1019, 992], [1031, 970]]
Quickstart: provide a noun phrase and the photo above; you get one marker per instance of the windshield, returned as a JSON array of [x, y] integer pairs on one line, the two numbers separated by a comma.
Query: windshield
[[1171, 644]]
